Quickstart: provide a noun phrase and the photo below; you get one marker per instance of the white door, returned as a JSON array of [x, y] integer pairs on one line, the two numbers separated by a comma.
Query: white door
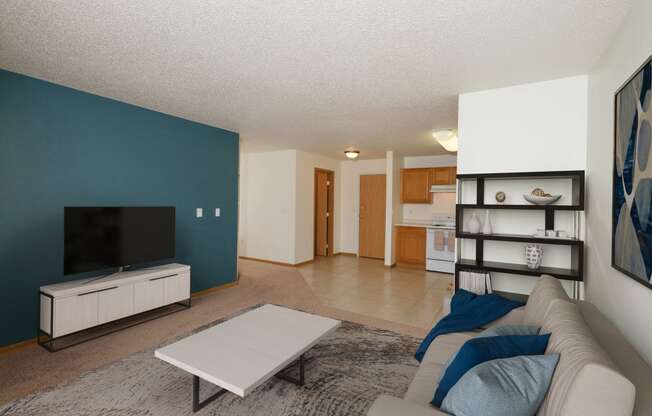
[[115, 303], [177, 288], [75, 313], [148, 295]]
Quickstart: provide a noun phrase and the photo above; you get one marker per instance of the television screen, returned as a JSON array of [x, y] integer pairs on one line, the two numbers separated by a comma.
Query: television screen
[[98, 238]]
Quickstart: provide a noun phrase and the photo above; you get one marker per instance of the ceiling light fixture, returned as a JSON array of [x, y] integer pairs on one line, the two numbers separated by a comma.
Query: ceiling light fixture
[[447, 138], [352, 154]]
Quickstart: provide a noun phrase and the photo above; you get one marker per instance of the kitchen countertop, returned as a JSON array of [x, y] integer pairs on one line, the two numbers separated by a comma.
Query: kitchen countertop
[[420, 224]]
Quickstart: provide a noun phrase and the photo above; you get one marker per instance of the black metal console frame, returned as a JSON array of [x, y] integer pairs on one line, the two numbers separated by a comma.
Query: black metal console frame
[[49, 342], [198, 404]]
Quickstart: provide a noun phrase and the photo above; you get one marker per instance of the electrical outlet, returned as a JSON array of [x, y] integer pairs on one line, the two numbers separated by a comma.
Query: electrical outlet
[[217, 212], [200, 212]]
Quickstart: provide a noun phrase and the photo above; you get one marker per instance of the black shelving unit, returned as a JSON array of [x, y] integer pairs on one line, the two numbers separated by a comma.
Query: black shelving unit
[[573, 273]]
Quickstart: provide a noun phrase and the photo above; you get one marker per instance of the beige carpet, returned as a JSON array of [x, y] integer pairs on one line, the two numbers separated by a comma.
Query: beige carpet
[[30, 369]]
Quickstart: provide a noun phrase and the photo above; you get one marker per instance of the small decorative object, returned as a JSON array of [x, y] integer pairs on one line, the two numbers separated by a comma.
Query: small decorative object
[[533, 256], [551, 233], [487, 224], [473, 224], [500, 197], [562, 234], [631, 251], [539, 197], [540, 232]]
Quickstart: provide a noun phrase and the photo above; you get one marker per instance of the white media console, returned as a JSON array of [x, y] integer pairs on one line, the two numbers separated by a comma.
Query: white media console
[[71, 307]]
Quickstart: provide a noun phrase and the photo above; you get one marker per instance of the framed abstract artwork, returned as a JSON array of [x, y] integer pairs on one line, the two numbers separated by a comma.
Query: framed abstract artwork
[[631, 238]]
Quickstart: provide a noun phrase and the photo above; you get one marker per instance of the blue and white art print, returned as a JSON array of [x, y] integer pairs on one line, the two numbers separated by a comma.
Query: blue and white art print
[[632, 178]]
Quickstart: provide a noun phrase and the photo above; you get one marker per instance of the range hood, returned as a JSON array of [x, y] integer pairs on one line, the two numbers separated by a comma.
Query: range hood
[[443, 188]]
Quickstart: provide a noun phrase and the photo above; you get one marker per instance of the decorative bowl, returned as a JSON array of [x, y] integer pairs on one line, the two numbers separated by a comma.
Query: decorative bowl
[[541, 200]]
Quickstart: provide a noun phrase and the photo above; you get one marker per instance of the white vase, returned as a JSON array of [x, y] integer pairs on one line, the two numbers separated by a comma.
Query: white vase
[[533, 256], [487, 224], [473, 224]]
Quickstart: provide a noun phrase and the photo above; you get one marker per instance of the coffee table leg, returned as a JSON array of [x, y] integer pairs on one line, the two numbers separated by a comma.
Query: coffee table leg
[[300, 381], [197, 405]]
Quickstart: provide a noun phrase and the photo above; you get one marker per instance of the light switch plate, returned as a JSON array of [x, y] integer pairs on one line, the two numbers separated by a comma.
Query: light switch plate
[[217, 212], [200, 212]]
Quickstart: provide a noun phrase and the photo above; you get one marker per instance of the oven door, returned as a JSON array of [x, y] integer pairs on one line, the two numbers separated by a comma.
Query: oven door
[[440, 244]]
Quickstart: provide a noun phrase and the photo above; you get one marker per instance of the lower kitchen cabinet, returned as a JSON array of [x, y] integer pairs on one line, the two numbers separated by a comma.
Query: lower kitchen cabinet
[[411, 245]]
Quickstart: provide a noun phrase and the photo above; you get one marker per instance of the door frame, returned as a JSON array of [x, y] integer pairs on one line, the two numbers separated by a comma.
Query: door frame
[[331, 212]]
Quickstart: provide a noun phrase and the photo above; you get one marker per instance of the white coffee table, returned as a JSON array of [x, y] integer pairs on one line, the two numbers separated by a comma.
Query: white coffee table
[[240, 354]]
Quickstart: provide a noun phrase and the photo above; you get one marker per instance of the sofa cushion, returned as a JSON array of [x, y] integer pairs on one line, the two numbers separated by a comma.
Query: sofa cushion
[[479, 350], [586, 381], [424, 383], [513, 317], [392, 406], [443, 347], [545, 291], [511, 386]]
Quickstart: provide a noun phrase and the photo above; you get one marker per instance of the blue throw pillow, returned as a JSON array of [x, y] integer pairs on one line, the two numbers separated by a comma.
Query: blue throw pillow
[[496, 331], [511, 386], [479, 350]]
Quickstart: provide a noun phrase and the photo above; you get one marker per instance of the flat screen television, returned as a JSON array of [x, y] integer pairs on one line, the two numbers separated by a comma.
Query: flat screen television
[[97, 238]]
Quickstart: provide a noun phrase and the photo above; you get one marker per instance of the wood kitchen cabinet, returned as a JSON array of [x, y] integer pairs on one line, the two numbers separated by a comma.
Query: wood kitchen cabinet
[[411, 245], [416, 183], [443, 175], [415, 186]]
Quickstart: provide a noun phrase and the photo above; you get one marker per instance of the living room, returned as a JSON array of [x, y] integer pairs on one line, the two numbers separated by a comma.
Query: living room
[[167, 250]]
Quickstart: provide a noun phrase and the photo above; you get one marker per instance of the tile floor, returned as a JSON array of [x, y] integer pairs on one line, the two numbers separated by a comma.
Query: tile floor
[[365, 286]]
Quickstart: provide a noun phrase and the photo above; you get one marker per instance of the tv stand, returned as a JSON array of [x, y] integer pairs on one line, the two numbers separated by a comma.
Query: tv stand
[[81, 310]]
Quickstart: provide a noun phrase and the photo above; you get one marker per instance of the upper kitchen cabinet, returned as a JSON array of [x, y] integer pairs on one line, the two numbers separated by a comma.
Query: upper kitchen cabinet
[[415, 186], [443, 176], [416, 183]]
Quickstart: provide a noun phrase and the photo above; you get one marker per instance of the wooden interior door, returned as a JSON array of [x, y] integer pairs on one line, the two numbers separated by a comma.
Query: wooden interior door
[[324, 192], [372, 216]]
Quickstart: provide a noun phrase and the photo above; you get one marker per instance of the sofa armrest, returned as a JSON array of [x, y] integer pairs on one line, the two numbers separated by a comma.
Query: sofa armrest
[[392, 406]]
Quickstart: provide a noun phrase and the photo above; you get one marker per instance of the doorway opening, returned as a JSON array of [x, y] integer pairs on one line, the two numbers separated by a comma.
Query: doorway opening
[[324, 217]]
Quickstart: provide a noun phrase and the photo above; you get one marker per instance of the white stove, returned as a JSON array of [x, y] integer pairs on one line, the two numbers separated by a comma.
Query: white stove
[[440, 245]]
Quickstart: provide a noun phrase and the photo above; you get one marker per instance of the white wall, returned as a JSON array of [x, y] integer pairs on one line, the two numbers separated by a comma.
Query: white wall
[[269, 208], [442, 203], [627, 303], [349, 211], [532, 127], [305, 203], [276, 215], [394, 163]]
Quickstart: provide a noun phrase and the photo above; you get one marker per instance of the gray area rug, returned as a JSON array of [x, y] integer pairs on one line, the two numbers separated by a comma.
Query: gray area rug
[[344, 375]]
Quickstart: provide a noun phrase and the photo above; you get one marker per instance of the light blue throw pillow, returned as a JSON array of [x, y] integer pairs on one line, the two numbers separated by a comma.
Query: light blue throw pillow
[[513, 386], [496, 331]]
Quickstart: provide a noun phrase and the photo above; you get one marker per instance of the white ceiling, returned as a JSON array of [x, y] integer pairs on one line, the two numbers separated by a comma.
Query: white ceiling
[[315, 75]]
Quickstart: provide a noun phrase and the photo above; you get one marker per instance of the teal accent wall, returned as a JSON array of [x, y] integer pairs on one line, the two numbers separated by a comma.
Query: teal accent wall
[[62, 147]]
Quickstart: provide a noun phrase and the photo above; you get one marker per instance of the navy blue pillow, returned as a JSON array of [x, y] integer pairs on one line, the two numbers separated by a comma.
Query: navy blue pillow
[[479, 350]]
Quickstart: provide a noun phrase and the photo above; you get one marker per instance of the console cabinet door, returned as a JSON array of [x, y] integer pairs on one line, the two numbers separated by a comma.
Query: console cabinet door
[[177, 288], [149, 294], [75, 313], [116, 303]]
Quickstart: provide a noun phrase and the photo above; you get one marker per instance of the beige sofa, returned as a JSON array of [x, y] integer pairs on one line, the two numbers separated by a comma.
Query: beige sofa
[[598, 372]]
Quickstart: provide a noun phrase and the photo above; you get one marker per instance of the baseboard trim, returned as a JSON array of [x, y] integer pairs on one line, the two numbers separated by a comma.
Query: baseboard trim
[[346, 253], [214, 289], [278, 263], [17, 346]]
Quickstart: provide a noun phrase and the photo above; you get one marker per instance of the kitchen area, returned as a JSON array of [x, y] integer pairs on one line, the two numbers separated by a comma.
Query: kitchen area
[[425, 235]]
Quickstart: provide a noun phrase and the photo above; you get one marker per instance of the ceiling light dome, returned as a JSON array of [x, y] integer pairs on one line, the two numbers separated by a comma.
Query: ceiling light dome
[[352, 154], [447, 138]]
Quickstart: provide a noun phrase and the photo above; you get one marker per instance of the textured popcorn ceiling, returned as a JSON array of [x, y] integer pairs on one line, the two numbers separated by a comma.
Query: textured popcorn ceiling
[[314, 75]]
